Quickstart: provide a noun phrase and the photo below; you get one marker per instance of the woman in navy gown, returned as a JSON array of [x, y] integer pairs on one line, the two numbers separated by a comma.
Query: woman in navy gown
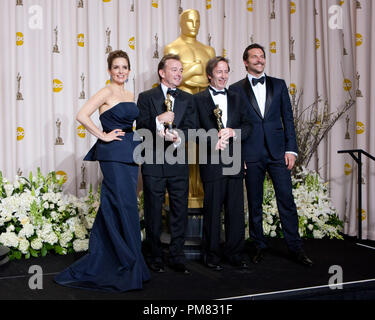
[[114, 261]]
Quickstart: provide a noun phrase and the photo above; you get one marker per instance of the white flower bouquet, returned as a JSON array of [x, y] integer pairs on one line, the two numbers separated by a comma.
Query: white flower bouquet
[[36, 217], [317, 217]]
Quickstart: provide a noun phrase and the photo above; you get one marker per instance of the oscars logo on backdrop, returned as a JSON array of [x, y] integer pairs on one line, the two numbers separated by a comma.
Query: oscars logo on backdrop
[[80, 4], [347, 85], [59, 141], [19, 94], [55, 46], [81, 131], [155, 3], [19, 39], [20, 133], [293, 7], [57, 85], [359, 39], [82, 95], [132, 43], [347, 169], [250, 5], [358, 5], [360, 128], [108, 38], [317, 43], [156, 52], [273, 47], [81, 40], [62, 175], [19, 3], [19, 172], [132, 6]]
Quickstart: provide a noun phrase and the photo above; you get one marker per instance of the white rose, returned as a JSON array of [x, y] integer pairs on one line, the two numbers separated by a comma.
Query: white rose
[[65, 238], [317, 234], [8, 189], [36, 244], [10, 228], [80, 245], [27, 231], [24, 246], [9, 239], [80, 231]]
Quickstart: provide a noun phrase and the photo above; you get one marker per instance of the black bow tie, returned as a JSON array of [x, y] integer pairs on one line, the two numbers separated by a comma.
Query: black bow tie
[[215, 93], [261, 80], [172, 92]]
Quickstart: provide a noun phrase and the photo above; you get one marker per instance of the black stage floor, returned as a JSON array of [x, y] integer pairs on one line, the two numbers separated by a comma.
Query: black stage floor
[[277, 277]]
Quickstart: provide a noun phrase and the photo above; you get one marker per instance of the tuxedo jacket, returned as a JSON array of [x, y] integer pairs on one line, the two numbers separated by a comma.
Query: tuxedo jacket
[[238, 118], [275, 131], [151, 103]]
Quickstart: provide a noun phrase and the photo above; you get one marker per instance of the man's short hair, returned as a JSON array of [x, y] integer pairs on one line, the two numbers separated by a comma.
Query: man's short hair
[[252, 46], [164, 60], [212, 63]]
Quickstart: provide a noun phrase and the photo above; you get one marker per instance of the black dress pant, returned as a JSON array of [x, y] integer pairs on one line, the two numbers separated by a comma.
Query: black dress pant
[[282, 183], [227, 192], [154, 189]]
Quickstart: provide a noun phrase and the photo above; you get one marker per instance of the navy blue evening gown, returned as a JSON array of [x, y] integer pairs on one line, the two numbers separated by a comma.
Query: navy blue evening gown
[[114, 261]]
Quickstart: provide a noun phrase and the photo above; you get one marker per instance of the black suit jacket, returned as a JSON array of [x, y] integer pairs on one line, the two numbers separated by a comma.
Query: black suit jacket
[[151, 104], [238, 118], [276, 130]]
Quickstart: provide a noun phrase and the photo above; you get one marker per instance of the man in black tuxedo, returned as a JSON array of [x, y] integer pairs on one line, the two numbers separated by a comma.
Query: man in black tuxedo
[[220, 189], [272, 148], [159, 178]]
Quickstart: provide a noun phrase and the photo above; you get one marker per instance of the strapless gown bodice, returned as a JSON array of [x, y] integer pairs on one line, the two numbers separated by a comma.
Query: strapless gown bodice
[[120, 116]]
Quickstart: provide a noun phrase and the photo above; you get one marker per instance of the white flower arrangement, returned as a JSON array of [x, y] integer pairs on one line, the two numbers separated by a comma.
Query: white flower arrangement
[[36, 217], [317, 217]]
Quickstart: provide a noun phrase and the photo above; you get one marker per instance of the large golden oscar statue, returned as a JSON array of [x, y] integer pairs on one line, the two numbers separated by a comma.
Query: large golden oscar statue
[[194, 57]]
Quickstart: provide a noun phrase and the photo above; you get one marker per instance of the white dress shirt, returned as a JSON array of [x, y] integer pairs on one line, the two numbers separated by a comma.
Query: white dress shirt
[[259, 92]]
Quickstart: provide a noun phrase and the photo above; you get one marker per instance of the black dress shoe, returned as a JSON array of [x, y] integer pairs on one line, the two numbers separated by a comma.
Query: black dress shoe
[[157, 267], [259, 255], [240, 264], [213, 266], [301, 257], [180, 267]]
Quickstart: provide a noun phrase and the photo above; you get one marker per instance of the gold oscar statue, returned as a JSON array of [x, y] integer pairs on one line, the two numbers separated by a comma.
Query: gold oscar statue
[[194, 57]]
